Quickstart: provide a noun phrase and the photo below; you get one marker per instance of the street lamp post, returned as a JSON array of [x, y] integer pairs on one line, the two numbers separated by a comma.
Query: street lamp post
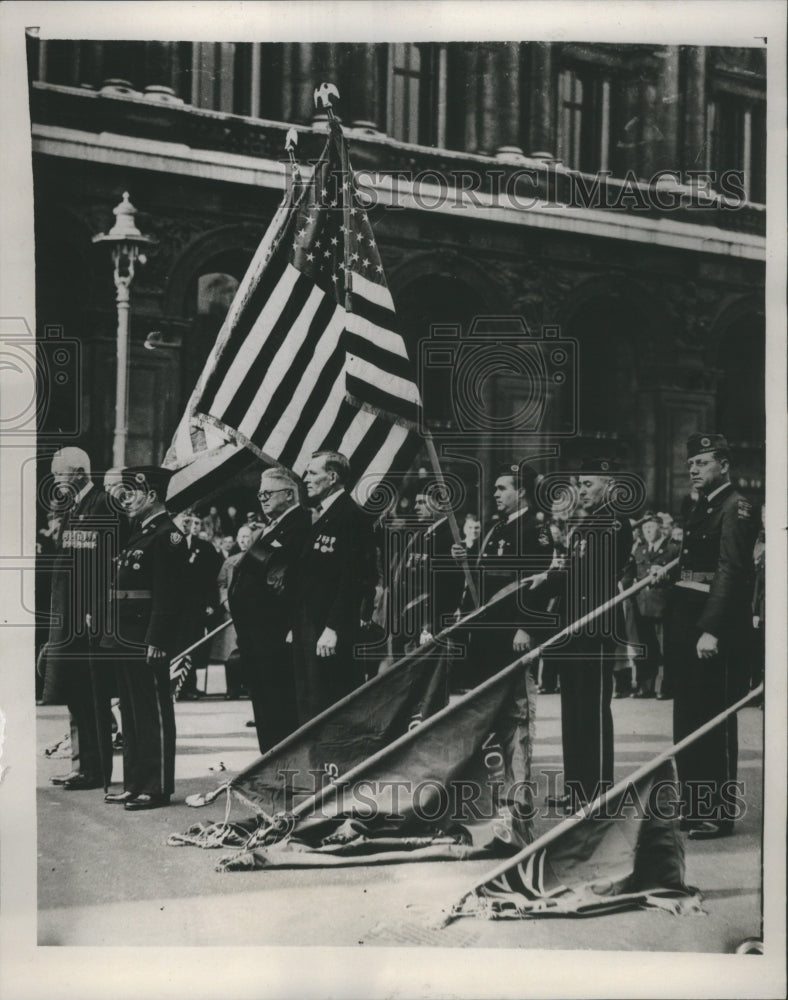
[[126, 242]]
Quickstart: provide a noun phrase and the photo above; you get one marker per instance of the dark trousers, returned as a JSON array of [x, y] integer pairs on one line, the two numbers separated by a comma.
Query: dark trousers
[[267, 672], [701, 690], [647, 666], [85, 750], [319, 682], [235, 678], [148, 718], [587, 723]]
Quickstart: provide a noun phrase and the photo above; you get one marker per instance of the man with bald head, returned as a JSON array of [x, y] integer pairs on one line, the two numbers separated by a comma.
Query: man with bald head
[[75, 671]]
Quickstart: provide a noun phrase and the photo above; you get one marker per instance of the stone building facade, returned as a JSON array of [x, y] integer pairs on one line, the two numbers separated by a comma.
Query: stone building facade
[[526, 183]]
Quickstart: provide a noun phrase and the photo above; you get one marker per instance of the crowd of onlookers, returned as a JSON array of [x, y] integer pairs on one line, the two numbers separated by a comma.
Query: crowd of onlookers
[[219, 534]]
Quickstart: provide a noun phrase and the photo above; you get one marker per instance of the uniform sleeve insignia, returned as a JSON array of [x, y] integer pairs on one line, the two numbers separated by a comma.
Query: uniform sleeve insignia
[[745, 510], [175, 538]]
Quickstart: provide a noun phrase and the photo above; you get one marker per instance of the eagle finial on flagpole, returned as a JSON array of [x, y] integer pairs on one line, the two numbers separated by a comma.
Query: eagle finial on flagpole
[[322, 97]]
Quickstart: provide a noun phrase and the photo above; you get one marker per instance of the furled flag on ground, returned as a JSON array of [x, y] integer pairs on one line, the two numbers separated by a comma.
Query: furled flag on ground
[[445, 789], [628, 854], [309, 356], [332, 743]]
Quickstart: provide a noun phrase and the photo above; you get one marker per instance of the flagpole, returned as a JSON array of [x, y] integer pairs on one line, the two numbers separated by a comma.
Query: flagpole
[[322, 100], [189, 649], [421, 653], [589, 810], [317, 798], [455, 529]]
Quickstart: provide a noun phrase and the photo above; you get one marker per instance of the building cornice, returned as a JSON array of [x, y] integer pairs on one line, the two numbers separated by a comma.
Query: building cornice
[[134, 153]]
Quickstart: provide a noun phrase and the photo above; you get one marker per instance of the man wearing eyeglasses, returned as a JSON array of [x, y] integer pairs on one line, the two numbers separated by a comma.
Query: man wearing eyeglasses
[[260, 608]]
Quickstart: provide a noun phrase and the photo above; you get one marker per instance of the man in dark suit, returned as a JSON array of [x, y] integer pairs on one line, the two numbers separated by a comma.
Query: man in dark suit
[[653, 548], [709, 635], [75, 672], [333, 590], [203, 563], [146, 603], [257, 597], [599, 547]]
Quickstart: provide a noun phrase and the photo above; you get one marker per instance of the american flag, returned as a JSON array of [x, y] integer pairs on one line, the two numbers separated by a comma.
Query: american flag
[[309, 356]]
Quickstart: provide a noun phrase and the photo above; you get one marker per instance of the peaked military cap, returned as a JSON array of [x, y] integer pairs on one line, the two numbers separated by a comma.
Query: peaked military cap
[[600, 466], [700, 443], [148, 477], [524, 476]]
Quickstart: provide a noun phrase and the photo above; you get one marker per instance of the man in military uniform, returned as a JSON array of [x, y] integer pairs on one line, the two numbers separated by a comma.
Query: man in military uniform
[[333, 590], [709, 635], [257, 597], [519, 544], [146, 602], [75, 672], [653, 548], [599, 546], [426, 591]]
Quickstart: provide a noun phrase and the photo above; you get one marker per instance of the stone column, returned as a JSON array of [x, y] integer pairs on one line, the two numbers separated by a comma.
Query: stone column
[[499, 97], [299, 68], [470, 70], [541, 139], [694, 152], [360, 88], [671, 98]]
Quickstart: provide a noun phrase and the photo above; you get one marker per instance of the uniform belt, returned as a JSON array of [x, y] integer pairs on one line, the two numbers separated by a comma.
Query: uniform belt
[[132, 595], [704, 588], [696, 576]]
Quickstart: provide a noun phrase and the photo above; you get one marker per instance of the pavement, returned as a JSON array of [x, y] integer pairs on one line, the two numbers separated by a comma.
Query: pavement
[[106, 877]]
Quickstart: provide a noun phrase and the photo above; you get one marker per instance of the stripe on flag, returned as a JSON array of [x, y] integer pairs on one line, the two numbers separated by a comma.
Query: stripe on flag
[[309, 357]]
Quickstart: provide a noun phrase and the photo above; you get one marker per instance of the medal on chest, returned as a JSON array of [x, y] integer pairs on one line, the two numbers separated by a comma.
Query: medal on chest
[[325, 543]]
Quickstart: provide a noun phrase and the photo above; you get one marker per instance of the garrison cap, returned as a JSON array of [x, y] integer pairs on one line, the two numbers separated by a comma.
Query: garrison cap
[[700, 443], [524, 476], [649, 516], [148, 477], [600, 466]]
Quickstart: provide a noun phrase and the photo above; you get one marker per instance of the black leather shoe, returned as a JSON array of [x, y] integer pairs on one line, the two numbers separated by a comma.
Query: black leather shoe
[[61, 779], [145, 801], [121, 798], [82, 782], [708, 830]]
